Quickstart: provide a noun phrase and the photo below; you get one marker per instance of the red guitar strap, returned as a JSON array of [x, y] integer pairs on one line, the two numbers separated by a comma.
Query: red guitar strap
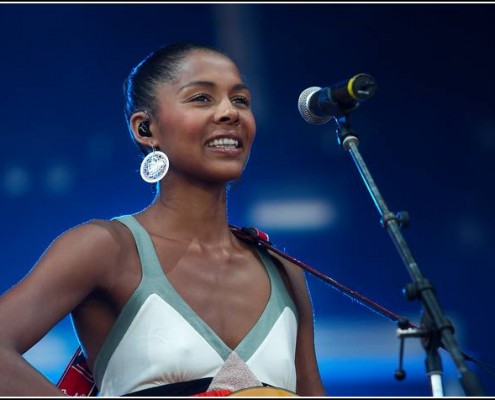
[[77, 379]]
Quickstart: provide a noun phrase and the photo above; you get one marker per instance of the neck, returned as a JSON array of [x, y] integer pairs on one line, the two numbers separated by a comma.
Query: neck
[[191, 212]]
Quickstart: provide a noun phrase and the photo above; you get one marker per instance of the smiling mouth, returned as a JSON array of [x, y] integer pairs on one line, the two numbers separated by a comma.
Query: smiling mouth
[[224, 143]]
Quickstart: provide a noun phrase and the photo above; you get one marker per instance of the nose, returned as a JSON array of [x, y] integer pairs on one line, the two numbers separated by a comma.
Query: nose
[[227, 113]]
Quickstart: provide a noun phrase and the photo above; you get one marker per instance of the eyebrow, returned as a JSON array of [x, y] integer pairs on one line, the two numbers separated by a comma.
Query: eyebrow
[[239, 86]]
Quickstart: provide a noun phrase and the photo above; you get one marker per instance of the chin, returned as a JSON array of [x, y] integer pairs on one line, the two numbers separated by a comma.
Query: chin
[[230, 178], [227, 174]]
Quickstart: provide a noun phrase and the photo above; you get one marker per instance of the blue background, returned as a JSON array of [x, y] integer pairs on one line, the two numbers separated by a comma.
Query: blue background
[[428, 137]]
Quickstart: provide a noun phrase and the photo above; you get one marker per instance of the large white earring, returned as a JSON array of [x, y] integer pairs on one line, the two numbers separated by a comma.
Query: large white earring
[[154, 166]]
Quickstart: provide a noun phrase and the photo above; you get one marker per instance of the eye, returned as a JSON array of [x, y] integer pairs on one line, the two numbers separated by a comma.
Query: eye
[[202, 98], [241, 100]]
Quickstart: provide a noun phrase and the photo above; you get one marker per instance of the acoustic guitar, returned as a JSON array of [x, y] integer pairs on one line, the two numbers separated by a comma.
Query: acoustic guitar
[[263, 391]]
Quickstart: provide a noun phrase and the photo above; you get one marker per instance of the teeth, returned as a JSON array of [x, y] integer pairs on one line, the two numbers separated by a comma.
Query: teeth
[[223, 142]]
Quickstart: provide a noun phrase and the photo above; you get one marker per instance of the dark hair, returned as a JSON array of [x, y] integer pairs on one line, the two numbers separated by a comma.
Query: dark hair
[[162, 65]]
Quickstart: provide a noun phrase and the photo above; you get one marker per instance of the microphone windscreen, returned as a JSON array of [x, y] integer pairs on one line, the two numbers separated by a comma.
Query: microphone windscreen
[[303, 106]]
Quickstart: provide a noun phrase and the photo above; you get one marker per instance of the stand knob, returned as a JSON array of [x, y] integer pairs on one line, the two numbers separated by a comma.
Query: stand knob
[[400, 374], [403, 219]]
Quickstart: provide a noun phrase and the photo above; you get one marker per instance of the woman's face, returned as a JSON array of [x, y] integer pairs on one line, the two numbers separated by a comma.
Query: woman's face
[[204, 120]]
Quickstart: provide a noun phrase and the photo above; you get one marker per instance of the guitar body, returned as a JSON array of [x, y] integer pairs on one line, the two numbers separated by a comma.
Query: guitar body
[[263, 391]]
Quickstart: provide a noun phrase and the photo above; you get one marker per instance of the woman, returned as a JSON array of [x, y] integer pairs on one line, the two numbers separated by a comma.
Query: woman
[[169, 301]]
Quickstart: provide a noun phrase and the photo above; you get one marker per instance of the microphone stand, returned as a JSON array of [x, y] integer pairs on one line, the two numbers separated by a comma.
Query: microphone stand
[[435, 328]]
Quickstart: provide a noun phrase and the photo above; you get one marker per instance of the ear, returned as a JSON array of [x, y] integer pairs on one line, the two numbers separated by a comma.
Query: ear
[[136, 120]]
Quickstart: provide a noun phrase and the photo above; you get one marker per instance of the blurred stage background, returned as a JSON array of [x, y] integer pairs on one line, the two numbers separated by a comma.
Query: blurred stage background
[[428, 137]]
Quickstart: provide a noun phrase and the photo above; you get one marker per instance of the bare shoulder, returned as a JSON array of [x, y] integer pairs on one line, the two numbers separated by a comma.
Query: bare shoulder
[[96, 237], [93, 248], [292, 273], [97, 231]]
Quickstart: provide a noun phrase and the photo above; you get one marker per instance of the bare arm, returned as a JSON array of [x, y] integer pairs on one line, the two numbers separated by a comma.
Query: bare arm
[[67, 272], [308, 376]]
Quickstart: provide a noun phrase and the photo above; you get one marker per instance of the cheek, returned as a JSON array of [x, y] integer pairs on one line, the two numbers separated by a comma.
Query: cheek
[[180, 130], [251, 129]]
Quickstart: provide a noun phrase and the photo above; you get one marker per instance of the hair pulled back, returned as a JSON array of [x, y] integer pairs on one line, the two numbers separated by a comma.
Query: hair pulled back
[[160, 66]]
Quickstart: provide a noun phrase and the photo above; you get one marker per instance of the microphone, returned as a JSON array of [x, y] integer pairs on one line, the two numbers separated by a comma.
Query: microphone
[[318, 105]]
